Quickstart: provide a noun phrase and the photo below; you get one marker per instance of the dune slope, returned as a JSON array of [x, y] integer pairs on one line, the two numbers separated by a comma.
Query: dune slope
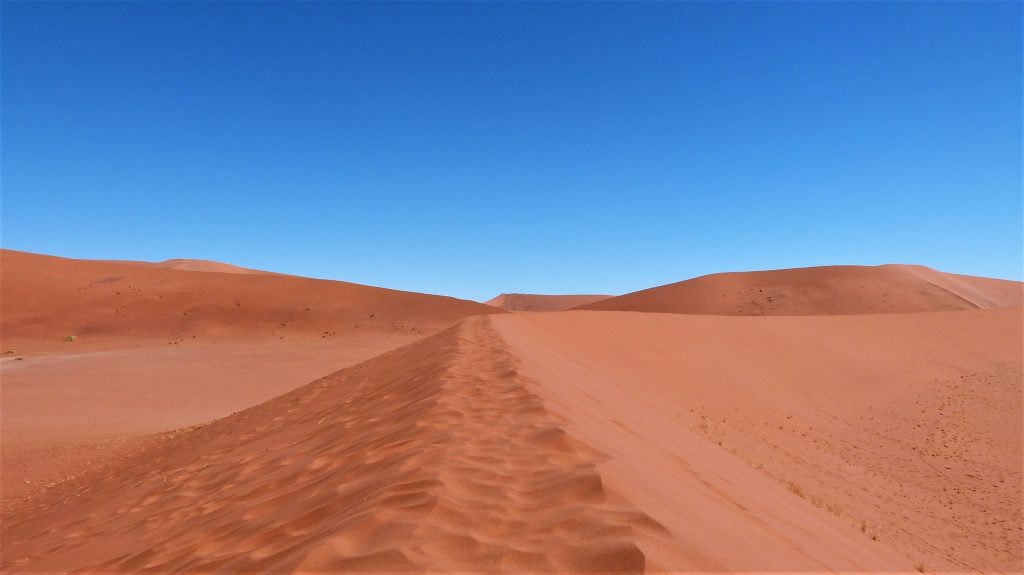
[[905, 427], [439, 456], [537, 302], [46, 299], [192, 265], [159, 348], [830, 290], [431, 457]]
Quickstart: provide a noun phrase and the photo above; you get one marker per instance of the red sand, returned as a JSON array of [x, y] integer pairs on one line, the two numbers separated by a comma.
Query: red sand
[[832, 290], [567, 441], [158, 348], [192, 265], [65, 411], [535, 302], [105, 304], [906, 427]]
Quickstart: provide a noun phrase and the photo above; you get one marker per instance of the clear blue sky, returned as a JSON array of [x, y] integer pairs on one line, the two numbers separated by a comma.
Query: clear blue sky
[[470, 149]]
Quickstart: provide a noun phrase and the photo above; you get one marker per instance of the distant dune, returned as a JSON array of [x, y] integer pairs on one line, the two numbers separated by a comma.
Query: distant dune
[[191, 265], [46, 299], [537, 302], [831, 290]]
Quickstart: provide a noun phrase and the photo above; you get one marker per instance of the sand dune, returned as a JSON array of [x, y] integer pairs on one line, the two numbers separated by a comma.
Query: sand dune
[[574, 441], [64, 413], [192, 265], [46, 299], [537, 302], [158, 349], [429, 457], [545, 442], [831, 290], [906, 427]]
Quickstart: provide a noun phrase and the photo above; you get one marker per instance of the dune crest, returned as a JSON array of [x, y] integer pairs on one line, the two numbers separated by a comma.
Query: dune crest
[[573, 441], [538, 302], [829, 290], [444, 455], [192, 265], [46, 299], [431, 457], [155, 349]]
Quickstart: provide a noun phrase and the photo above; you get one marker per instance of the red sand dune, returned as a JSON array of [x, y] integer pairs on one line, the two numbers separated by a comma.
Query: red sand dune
[[907, 427], [536, 302], [588, 441], [236, 340], [45, 299], [192, 265], [831, 290], [64, 413], [568, 441]]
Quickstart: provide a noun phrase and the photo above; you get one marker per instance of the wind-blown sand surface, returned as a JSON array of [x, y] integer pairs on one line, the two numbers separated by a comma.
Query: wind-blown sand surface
[[66, 413], [829, 290], [907, 427], [585, 441], [113, 304], [537, 302], [162, 346], [191, 265], [459, 438]]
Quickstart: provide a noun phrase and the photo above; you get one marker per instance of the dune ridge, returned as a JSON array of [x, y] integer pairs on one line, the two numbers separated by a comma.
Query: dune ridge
[[573, 441], [539, 302], [431, 457], [45, 299], [444, 455], [191, 265], [827, 290], [156, 348]]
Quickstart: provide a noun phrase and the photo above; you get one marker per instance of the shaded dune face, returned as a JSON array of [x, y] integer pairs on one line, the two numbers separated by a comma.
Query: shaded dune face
[[832, 290], [431, 457], [45, 299], [536, 302]]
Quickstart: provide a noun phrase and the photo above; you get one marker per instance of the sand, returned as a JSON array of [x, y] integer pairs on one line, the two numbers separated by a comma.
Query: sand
[[538, 302], [192, 265], [119, 304], [537, 442], [63, 413], [905, 427], [830, 290], [168, 345], [572, 441]]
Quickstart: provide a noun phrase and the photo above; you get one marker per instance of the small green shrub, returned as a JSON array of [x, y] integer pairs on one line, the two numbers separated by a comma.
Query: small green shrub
[[70, 338]]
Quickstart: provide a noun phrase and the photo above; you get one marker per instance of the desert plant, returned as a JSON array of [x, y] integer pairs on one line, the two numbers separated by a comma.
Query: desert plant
[[70, 338], [795, 488]]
